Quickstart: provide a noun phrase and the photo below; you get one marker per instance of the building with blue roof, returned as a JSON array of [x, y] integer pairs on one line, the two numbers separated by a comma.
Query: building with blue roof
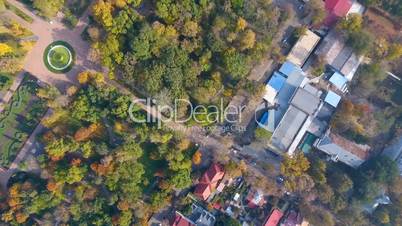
[[339, 81], [288, 68], [277, 80], [332, 99], [273, 86]]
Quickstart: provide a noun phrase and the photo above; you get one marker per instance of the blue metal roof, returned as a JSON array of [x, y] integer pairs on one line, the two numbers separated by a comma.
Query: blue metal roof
[[332, 98], [276, 81], [264, 118], [338, 80], [288, 68]]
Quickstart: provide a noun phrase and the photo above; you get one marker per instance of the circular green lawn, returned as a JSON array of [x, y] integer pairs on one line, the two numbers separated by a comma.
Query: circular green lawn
[[59, 57]]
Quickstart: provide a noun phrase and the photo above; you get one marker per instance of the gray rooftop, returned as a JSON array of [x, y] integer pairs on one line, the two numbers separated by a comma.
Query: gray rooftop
[[344, 150], [294, 81], [341, 57], [305, 101], [288, 128], [201, 217]]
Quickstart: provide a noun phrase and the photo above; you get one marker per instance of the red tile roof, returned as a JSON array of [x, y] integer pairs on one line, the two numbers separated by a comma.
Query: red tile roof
[[274, 218], [209, 181], [336, 9], [180, 220], [361, 151]]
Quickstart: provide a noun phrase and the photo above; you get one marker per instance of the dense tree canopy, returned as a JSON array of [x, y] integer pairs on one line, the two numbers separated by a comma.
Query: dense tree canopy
[[95, 175], [179, 46]]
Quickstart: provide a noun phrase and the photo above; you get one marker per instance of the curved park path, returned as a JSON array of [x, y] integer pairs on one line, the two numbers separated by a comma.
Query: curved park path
[[48, 32]]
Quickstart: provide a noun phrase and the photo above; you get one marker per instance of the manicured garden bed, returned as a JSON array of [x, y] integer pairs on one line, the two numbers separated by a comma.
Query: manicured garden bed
[[59, 57], [19, 119], [18, 12]]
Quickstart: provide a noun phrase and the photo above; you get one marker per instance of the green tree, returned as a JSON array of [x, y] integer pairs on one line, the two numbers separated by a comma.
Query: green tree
[[58, 148], [160, 200], [180, 179], [120, 106], [224, 220], [338, 202], [340, 182], [48, 8], [317, 216], [395, 51], [75, 174], [295, 171], [317, 170], [236, 64], [168, 10], [381, 216], [325, 193], [351, 23], [360, 42], [317, 11]]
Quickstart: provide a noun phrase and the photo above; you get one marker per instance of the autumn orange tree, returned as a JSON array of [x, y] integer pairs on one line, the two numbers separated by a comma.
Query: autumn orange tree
[[86, 132], [197, 157]]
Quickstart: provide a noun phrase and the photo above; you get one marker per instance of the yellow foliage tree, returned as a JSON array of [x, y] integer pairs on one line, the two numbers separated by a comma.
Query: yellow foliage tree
[[395, 52], [190, 29], [102, 10], [17, 29], [27, 45], [183, 144], [7, 216], [5, 49], [87, 76], [120, 3], [72, 90], [21, 217], [241, 24], [248, 40], [83, 77], [57, 115]]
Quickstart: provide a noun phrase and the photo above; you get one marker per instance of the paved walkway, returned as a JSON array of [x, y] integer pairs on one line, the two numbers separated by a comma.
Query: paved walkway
[[48, 33]]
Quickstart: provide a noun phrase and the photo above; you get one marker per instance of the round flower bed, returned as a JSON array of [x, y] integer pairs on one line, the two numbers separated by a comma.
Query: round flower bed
[[59, 57]]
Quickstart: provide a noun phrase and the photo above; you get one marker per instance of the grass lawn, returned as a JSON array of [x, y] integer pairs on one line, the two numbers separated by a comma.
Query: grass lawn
[[151, 166], [59, 57], [19, 119]]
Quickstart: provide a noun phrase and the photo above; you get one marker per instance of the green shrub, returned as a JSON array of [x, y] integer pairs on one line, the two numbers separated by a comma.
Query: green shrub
[[69, 19], [5, 81], [18, 12]]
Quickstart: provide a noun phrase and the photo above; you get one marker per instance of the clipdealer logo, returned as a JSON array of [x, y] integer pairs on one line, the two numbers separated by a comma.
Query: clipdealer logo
[[201, 114]]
